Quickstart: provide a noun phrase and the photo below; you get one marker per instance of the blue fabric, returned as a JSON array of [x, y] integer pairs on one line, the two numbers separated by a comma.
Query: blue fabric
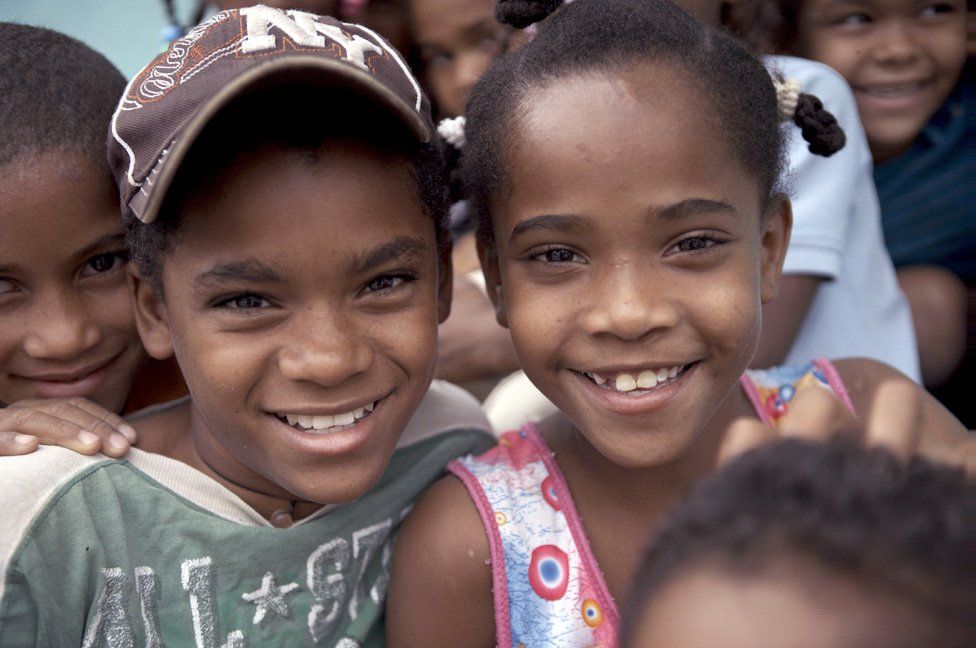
[[927, 192]]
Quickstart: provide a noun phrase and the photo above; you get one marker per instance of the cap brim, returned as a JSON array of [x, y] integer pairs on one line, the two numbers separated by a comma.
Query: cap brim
[[314, 71]]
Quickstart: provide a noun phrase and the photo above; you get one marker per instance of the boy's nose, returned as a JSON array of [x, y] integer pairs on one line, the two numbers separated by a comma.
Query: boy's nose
[[896, 44], [630, 306], [326, 354], [61, 329]]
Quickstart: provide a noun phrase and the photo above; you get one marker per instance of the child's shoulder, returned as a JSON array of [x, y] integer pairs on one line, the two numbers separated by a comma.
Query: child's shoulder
[[445, 408], [814, 77], [442, 551]]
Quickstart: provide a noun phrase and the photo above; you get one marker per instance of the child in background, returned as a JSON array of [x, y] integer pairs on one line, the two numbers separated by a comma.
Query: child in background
[[905, 62], [284, 208], [70, 355], [456, 42], [628, 242], [808, 545]]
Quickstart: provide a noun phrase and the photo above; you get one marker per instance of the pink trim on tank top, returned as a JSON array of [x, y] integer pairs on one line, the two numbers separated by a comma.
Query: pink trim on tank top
[[568, 507], [834, 380], [749, 387], [503, 627]]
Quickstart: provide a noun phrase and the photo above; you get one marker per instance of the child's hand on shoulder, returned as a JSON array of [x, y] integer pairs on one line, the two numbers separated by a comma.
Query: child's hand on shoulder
[[893, 412], [74, 423]]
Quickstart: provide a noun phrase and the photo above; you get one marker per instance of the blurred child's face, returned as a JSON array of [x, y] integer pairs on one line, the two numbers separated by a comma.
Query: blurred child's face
[[901, 57], [66, 324], [632, 259], [793, 604], [458, 40], [302, 301]]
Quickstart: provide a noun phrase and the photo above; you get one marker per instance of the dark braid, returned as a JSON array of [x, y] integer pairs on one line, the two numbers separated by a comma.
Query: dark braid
[[522, 13], [605, 36], [820, 128]]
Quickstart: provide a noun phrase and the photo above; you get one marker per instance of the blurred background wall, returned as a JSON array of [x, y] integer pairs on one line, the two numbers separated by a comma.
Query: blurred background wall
[[125, 31]]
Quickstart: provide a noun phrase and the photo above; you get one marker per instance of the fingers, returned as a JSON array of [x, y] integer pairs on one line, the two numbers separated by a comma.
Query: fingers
[[895, 419], [743, 435], [817, 415], [76, 424], [15, 443]]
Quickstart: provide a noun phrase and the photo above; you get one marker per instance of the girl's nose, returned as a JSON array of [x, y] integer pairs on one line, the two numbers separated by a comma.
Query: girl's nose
[[630, 306], [61, 329], [896, 44], [326, 352]]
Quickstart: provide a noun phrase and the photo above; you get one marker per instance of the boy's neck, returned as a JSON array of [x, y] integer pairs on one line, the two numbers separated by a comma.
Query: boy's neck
[[180, 433]]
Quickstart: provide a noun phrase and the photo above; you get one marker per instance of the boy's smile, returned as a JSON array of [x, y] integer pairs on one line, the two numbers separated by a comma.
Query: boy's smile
[[901, 57], [66, 324], [632, 260], [302, 303]]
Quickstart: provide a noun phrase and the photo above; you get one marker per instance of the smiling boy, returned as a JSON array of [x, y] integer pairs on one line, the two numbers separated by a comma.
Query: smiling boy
[[283, 205]]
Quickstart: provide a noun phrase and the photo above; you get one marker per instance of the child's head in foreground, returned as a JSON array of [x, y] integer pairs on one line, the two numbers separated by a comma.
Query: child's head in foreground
[[285, 214], [902, 58], [66, 325], [800, 544], [623, 166]]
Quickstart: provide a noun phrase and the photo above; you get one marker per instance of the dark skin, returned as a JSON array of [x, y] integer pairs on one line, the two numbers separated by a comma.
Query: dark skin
[[628, 241], [334, 315]]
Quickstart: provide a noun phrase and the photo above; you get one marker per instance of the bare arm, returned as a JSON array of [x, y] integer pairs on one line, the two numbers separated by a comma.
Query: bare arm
[[783, 317], [440, 587]]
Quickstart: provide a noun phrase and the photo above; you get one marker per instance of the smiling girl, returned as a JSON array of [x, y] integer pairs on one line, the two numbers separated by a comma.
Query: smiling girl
[[624, 168]]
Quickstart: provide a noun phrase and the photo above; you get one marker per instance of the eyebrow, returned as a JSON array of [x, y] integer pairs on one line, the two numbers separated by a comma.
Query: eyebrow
[[248, 271], [559, 222], [691, 207], [403, 248], [107, 241]]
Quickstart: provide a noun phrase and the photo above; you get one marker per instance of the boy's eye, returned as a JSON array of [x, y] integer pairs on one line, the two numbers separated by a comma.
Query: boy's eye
[[559, 255], [247, 301], [855, 19], [386, 283], [6, 286], [104, 263]]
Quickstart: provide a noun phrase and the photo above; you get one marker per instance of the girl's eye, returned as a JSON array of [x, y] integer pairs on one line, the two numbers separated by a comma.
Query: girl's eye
[[6, 286], [247, 301], [695, 244], [558, 255], [104, 263], [936, 9]]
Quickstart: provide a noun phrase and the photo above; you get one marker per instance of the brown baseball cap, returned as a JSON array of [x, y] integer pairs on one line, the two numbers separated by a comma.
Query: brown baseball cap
[[168, 104]]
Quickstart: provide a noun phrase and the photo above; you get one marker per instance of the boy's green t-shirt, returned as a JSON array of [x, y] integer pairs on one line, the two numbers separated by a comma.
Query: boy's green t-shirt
[[150, 552]]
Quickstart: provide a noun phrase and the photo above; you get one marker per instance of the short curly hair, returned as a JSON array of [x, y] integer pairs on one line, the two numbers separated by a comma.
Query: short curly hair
[[57, 94], [859, 513], [298, 118]]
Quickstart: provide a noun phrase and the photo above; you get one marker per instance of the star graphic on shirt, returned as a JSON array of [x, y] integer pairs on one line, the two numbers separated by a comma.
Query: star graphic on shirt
[[270, 598]]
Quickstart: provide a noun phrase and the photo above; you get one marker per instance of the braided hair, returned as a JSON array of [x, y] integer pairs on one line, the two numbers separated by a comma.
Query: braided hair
[[604, 36], [820, 129]]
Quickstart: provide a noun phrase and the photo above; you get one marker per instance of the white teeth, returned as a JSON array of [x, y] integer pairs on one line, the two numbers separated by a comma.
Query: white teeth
[[673, 371], [647, 379], [662, 375], [323, 422], [598, 379], [326, 421], [625, 383]]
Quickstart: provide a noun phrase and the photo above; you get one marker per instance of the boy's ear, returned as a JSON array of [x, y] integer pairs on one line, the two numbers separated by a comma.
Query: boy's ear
[[150, 314], [777, 225], [445, 283], [488, 254]]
